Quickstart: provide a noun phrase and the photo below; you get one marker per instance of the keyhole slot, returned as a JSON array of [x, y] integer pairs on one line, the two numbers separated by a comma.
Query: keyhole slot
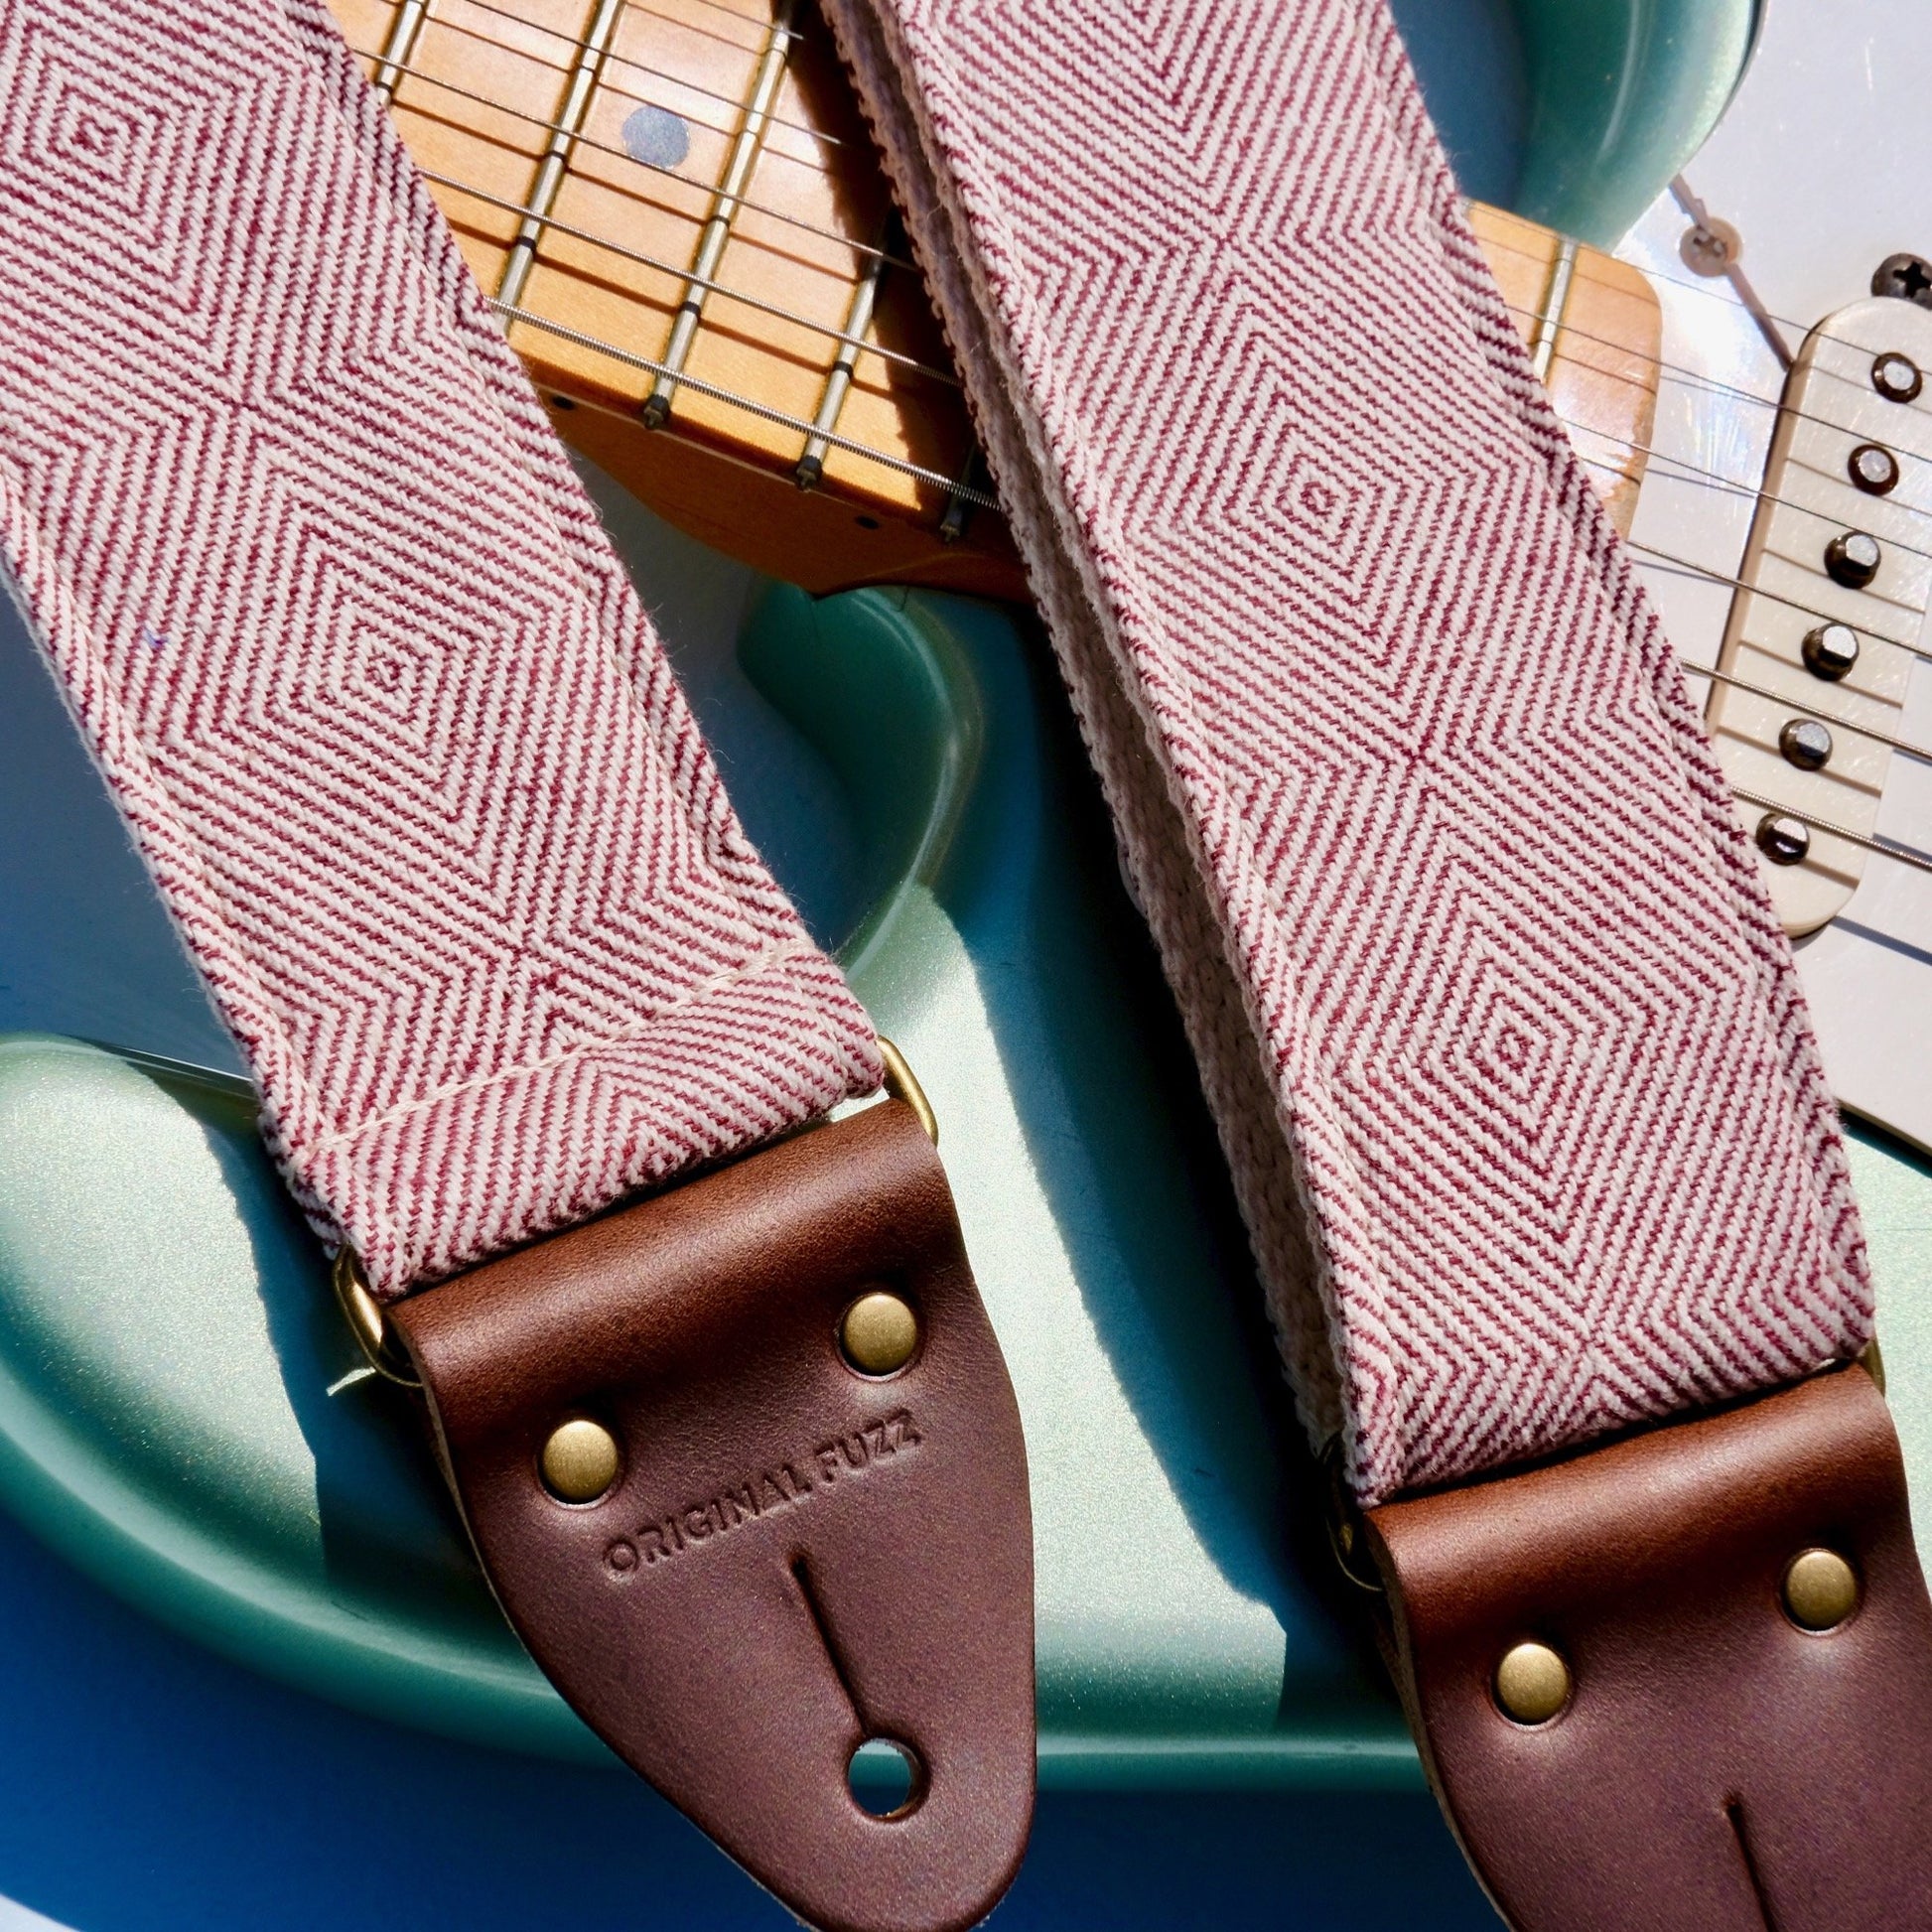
[[885, 1776]]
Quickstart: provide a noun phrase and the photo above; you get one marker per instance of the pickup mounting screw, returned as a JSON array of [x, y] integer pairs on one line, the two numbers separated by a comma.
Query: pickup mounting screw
[[1711, 248], [1873, 468], [1909, 277], [1830, 651], [1806, 744], [1852, 559], [1897, 378]]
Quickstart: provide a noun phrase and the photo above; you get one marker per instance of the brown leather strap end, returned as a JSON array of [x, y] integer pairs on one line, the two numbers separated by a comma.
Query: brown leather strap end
[[1716, 1644], [791, 1554]]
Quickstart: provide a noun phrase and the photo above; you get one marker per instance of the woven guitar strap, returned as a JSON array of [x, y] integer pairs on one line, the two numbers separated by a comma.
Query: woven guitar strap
[[1505, 1047], [410, 767]]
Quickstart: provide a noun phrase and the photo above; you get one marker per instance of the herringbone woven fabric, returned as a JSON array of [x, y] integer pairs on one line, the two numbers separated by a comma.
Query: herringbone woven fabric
[[387, 720], [1505, 1045]]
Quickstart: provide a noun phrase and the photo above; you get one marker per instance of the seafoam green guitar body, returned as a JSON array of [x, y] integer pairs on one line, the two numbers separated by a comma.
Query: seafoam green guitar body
[[167, 1345]]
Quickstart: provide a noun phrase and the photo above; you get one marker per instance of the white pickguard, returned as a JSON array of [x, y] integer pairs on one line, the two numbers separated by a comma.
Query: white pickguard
[[1823, 163]]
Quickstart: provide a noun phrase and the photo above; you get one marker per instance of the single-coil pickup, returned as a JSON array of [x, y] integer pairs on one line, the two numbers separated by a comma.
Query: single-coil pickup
[[1834, 589]]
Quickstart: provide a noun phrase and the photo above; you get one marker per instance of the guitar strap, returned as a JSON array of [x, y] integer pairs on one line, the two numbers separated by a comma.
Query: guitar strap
[[1505, 1047], [412, 772]]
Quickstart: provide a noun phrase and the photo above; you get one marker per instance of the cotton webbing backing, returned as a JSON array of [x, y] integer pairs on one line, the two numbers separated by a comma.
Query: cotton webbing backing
[[393, 731], [411, 769], [1505, 1047]]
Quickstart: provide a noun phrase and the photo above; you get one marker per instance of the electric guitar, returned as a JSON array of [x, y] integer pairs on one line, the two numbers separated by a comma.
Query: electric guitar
[[674, 206]]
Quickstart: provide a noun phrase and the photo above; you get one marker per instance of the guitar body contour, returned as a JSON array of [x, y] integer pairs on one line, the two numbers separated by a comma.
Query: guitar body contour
[[179, 1410]]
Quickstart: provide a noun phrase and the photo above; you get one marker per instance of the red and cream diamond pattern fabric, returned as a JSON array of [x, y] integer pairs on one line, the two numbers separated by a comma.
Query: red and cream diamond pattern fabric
[[1506, 1049], [386, 717]]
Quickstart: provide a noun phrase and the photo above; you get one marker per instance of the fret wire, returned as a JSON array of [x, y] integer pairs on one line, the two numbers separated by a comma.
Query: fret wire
[[952, 526], [639, 67], [1786, 702], [838, 381], [555, 165], [1691, 471], [540, 125], [910, 363], [677, 80], [713, 238], [404, 31], [780, 416], [1728, 486], [1903, 854]]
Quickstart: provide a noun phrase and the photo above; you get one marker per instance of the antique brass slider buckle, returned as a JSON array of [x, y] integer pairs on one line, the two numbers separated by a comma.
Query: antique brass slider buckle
[[745, 1469], [1682, 1679]]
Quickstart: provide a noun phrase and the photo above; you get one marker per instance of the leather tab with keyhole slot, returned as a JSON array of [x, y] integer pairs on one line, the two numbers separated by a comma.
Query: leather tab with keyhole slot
[[1715, 1763], [792, 1557]]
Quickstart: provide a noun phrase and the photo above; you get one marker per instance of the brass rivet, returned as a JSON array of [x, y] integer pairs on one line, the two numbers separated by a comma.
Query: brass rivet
[[879, 1333], [580, 1461], [1532, 1683], [1820, 1589]]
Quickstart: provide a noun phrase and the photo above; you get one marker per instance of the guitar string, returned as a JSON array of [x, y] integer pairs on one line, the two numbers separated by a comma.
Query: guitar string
[[736, 102], [1785, 700], [1715, 288], [1689, 470], [953, 487], [1690, 378], [1717, 480], [1686, 567], [1830, 720], [732, 13], [769, 413], [1582, 273], [585, 140], [1493, 244], [768, 27], [897, 358], [1684, 468], [1904, 854], [566, 68], [985, 500], [1689, 375], [1680, 464], [1777, 598], [1722, 484], [1717, 576]]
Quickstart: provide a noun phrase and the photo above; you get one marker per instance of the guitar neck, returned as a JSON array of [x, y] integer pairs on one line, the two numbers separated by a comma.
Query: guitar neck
[[678, 212]]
